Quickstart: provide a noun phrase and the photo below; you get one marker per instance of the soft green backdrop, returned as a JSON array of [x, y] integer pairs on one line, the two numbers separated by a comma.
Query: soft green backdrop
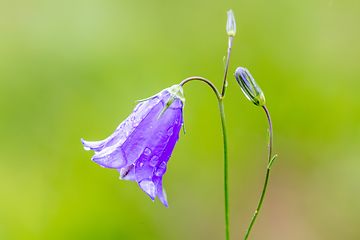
[[73, 69]]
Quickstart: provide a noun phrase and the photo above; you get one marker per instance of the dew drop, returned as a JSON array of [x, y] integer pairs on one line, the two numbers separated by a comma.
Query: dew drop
[[127, 133], [170, 131], [161, 169], [153, 161], [121, 126], [136, 123], [147, 151], [141, 164]]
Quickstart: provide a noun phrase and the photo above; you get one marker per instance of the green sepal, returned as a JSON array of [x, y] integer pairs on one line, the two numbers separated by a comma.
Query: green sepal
[[184, 124], [169, 102], [145, 99], [271, 161], [176, 92]]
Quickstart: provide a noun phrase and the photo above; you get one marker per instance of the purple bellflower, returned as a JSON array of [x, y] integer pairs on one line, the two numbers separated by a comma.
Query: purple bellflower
[[142, 144]]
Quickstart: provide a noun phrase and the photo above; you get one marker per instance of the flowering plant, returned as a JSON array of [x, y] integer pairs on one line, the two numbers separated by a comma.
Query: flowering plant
[[142, 144]]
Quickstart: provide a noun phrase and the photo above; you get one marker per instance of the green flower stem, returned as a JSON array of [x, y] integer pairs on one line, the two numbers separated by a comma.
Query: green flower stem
[[226, 193], [226, 67], [223, 124], [267, 174], [202, 80]]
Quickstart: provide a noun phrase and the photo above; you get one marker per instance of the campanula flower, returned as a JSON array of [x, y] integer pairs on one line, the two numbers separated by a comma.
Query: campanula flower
[[142, 144], [249, 87]]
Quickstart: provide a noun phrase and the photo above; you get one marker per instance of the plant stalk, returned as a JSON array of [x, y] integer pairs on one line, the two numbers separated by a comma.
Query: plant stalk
[[223, 125], [227, 66], [226, 192], [266, 177], [220, 99]]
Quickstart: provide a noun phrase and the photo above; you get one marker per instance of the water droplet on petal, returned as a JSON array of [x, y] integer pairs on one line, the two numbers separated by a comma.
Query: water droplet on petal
[[147, 151], [170, 131], [121, 126], [141, 164], [136, 123], [153, 161], [161, 169], [149, 187], [127, 133]]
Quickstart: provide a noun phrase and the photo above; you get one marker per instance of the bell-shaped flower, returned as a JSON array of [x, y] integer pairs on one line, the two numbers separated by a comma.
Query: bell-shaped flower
[[142, 144], [249, 87]]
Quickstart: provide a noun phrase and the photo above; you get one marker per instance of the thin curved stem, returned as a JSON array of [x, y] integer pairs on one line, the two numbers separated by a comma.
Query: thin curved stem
[[266, 177], [223, 125], [205, 81], [227, 65], [270, 132]]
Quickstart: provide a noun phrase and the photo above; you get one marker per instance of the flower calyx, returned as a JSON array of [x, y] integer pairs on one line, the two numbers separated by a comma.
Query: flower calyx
[[176, 92]]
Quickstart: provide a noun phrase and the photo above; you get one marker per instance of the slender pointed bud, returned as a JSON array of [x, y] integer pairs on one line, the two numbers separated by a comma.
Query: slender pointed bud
[[249, 87], [230, 24]]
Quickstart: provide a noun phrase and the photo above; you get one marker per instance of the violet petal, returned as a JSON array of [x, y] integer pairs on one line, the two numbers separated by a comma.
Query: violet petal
[[142, 144]]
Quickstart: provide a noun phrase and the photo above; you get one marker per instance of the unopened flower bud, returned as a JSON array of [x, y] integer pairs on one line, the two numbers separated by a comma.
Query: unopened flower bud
[[249, 87], [230, 24]]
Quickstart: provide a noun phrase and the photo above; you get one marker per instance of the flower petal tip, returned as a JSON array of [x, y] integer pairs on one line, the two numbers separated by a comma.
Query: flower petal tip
[[111, 157], [93, 145], [149, 188], [85, 147]]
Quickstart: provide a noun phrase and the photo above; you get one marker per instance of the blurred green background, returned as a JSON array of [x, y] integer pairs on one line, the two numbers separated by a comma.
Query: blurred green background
[[73, 69]]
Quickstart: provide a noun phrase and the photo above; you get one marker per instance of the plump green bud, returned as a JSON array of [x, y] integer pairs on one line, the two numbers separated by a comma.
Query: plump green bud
[[249, 87], [230, 24]]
